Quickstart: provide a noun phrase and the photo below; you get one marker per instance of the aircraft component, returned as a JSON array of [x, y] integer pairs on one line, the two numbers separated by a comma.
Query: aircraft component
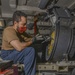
[[63, 68], [62, 35], [60, 44], [60, 14], [45, 3]]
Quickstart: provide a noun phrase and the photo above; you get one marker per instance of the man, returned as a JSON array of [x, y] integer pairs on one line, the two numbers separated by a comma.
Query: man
[[15, 44]]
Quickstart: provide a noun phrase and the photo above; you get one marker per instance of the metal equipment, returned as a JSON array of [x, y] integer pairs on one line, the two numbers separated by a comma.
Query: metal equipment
[[62, 35], [58, 68], [61, 48]]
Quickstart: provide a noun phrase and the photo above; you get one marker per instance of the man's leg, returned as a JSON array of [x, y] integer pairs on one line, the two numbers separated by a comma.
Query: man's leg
[[26, 56]]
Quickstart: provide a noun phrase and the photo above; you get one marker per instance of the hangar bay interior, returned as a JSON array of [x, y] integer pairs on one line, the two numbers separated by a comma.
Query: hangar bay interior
[[53, 24]]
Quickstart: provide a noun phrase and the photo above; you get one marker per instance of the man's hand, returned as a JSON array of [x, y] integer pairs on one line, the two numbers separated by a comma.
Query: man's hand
[[35, 38]]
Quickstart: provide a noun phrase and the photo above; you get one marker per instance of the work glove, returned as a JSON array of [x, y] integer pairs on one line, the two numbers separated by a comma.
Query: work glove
[[34, 39], [37, 38]]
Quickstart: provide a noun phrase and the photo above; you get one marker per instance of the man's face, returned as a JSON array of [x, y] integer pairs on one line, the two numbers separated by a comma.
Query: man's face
[[21, 24]]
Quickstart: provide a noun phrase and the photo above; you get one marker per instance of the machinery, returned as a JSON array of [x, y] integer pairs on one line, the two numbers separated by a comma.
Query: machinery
[[55, 27], [60, 49]]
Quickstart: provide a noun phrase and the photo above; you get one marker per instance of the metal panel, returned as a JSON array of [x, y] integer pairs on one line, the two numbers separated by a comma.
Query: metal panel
[[12, 3], [22, 2], [64, 3], [6, 9], [29, 9], [33, 3]]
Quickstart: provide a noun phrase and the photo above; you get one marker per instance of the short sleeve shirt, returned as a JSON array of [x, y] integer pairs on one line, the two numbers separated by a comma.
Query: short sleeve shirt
[[10, 34]]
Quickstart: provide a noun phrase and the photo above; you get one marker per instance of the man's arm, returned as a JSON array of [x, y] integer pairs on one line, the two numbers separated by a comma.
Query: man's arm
[[28, 38], [20, 46]]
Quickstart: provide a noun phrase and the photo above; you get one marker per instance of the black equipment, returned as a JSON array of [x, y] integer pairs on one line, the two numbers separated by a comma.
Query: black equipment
[[4, 64], [62, 36], [45, 3]]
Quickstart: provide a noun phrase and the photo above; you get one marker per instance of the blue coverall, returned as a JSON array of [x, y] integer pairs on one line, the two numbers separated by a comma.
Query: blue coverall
[[26, 56]]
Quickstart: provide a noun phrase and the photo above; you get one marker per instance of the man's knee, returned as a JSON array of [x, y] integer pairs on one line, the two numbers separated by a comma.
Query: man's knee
[[30, 50]]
